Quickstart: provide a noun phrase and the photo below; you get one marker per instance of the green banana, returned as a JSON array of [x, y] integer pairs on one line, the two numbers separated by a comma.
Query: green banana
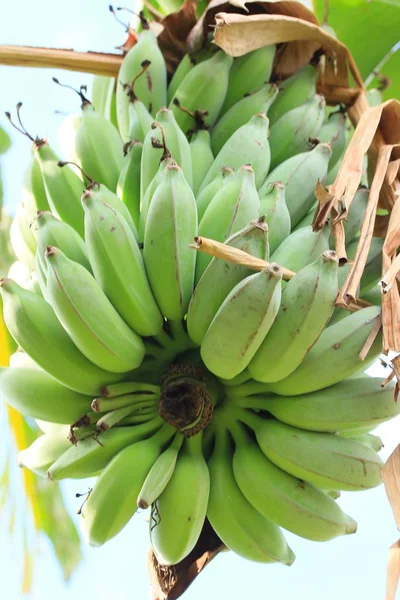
[[232, 208], [35, 394], [170, 227], [33, 192], [204, 198], [160, 474], [335, 355], [178, 515], [202, 157], [239, 525], [325, 460], [247, 74], [220, 277], [242, 322], [99, 147], [372, 441], [52, 232], [118, 267], [101, 192], [299, 174], [202, 92], [347, 405], [22, 239], [292, 133], [294, 91], [308, 301], [34, 326], [95, 328], [163, 140], [273, 207], [289, 502], [63, 187], [151, 89], [95, 452], [352, 224], [247, 146], [187, 63], [66, 135], [103, 90], [112, 501], [44, 451], [334, 133], [301, 248], [146, 200], [128, 187], [240, 113]]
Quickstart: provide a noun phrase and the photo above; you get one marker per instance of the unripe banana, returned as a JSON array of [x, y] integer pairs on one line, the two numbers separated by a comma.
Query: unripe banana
[[294, 91], [301, 248], [99, 147], [103, 90], [299, 175], [102, 193], [151, 89], [334, 133], [22, 240], [118, 267], [202, 157], [240, 113], [52, 232], [308, 301], [140, 121], [95, 327], [335, 356], [202, 92], [247, 74], [232, 208], [291, 134], [33, 192], [247, 146], [348, 405], [128, 188], [35, 327], [273, 207], [66, 136], [352, 224], [35, 394], [239, 525], [146, 200], [242, 322], [178, 515], [44, 451], [220, 278], [368, 439], [172, 142], [95, 452], [207, 194], [112, 501], [170, 227], [160, 474], [290, 502], [323, 459], [187, 63]]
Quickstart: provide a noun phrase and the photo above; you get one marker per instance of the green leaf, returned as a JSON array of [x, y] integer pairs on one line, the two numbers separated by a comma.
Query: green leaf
[[369, 29], [391, 71]]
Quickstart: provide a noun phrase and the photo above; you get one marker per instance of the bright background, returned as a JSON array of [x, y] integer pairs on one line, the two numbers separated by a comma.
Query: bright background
[[346, 568]]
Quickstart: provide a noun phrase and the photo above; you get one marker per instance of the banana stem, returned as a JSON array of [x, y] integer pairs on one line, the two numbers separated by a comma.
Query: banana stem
[[133, 400], [163, 339], [253, 402]]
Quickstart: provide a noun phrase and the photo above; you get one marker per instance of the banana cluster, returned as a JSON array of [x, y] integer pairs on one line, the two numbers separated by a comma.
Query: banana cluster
[[192, 385]]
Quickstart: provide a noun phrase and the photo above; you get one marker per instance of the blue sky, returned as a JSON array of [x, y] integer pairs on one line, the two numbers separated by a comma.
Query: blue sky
[[346, 568]]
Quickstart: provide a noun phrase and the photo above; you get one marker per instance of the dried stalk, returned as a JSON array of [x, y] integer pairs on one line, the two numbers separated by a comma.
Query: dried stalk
[[97, 63]]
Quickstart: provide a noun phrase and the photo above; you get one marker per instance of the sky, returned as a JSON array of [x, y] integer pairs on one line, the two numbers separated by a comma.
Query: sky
[[346, 568]]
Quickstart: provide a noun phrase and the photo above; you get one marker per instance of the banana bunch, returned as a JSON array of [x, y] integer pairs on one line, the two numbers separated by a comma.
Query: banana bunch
[[188, 384]]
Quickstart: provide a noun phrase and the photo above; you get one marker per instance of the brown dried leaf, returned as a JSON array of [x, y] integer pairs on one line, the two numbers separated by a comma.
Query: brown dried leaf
[[169, 583], [393, 571], [392, 241], [390, 276], [238, 34], [391, 319], [391, 481], [172, 40]]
